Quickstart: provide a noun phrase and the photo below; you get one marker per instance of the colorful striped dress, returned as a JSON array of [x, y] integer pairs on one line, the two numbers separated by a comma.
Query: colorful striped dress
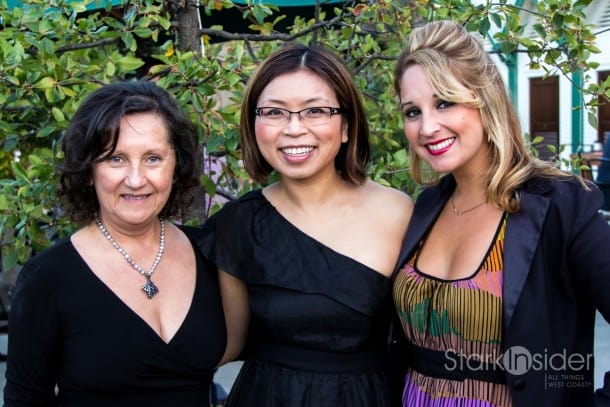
[[464, 316]]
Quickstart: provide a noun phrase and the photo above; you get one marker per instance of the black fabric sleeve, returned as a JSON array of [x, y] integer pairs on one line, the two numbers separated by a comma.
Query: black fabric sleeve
[[34, 338], [588, 256], [225, 239]]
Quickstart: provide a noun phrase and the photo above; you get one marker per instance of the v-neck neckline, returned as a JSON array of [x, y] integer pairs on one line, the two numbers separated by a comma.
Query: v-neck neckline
[[115, 298]]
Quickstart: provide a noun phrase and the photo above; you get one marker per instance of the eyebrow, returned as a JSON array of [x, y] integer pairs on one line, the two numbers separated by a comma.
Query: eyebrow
[[311, 100], [409, 102]]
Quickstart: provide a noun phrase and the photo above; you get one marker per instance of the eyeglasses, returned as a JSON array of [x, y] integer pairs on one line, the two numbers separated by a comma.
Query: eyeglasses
[[313, 116]]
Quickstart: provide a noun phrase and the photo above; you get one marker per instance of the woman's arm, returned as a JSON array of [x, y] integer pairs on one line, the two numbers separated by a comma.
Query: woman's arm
[[34, 348], [237, 313], [589, 255]]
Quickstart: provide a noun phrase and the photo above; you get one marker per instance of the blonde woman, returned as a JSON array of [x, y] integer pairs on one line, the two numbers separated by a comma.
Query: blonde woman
[[505, 260]]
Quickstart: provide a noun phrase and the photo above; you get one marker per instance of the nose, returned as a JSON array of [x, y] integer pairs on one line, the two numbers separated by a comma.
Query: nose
[[429, 124], [294, 125], [135, 176], [295, 115]]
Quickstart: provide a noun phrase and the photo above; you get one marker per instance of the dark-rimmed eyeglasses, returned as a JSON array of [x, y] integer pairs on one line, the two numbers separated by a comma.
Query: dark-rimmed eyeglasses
[[313, 116]]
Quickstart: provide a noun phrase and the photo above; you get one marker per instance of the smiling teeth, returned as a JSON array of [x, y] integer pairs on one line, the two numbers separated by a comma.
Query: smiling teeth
[[297, 150], [441, 145]]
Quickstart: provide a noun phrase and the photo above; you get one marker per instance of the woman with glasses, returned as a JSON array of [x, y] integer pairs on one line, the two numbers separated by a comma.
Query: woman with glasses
[[313, 252]]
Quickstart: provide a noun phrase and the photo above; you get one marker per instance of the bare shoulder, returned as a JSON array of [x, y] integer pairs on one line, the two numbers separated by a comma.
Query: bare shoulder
[[388, 205], [180, 235], [387, 197]]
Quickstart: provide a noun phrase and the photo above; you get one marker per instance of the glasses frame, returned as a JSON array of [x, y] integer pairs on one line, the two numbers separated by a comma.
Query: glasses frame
[[333, 111]]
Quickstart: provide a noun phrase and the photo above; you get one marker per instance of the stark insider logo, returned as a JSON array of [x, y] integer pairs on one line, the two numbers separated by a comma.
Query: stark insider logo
[[517, 360]]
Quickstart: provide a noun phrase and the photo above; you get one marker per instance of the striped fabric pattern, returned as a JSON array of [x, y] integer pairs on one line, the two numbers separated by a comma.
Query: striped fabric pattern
[[464, 316]]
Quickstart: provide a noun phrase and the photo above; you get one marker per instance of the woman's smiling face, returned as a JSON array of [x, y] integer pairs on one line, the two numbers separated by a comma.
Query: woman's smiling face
[[449, 136], [134, 183], [296, 149]]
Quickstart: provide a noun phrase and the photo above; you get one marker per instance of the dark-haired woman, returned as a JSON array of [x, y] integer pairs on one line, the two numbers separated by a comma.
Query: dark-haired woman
[[313, 252], [126, 312]]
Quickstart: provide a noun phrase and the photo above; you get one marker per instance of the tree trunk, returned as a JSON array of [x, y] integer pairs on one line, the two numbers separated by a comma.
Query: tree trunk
[[189, 39], [187, 17]]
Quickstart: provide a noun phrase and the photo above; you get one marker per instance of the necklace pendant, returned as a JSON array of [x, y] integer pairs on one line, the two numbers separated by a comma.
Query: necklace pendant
[[150, 288]]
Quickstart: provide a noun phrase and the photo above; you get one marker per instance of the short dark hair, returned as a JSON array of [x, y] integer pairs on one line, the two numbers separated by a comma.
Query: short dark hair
[[93, 135], [353, 156]]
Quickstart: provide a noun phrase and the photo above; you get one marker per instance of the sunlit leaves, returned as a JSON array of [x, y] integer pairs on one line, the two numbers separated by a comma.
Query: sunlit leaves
[[52, 57]]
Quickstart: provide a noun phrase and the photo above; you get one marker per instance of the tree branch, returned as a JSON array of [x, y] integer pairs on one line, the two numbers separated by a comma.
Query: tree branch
[[93, 44], [270, 37]]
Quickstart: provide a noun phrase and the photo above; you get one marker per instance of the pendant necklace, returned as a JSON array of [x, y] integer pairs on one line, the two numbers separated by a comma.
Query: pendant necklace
[[149, 287], [457, 212]]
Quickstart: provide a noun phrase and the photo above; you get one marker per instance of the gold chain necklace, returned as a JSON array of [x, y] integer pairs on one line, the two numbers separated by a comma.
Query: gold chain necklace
[[149, 287], [457, 212]]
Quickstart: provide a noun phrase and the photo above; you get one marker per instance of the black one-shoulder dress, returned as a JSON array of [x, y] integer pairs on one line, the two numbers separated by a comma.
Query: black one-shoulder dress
[[318, 318]]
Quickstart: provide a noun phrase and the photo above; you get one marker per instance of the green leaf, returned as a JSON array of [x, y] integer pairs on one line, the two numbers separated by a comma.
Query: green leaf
[[484, 26], [537, 139], [10, 258], [110, 68], [58, 115], [4, 205], [209, 185], [45, 83], [592, 119], [20, 173], [130, 63], [402, 158], [496, 19]]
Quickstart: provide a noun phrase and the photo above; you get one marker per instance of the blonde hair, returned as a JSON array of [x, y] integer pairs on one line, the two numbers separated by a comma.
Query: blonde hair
[[460, 71]]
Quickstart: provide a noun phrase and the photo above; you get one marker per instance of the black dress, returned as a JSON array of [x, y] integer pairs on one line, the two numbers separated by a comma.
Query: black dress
[[66, 327], [318, 318]]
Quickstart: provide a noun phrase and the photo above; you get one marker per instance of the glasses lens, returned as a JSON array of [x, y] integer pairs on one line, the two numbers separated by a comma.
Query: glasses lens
[[316, 116], [313, 116], [273, 116]]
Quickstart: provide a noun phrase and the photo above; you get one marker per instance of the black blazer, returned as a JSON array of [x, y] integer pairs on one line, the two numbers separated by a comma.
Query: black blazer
[[556, 274]]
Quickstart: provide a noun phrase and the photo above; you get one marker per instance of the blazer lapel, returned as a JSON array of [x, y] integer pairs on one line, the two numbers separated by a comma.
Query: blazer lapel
[[523, 230], [427, 208]]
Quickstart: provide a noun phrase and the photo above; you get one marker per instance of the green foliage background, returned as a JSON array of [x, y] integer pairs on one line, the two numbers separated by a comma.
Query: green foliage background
[[54, 53]]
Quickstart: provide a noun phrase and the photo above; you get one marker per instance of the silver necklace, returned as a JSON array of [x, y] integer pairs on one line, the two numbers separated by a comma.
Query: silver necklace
[[149, 287], [457, 212]]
